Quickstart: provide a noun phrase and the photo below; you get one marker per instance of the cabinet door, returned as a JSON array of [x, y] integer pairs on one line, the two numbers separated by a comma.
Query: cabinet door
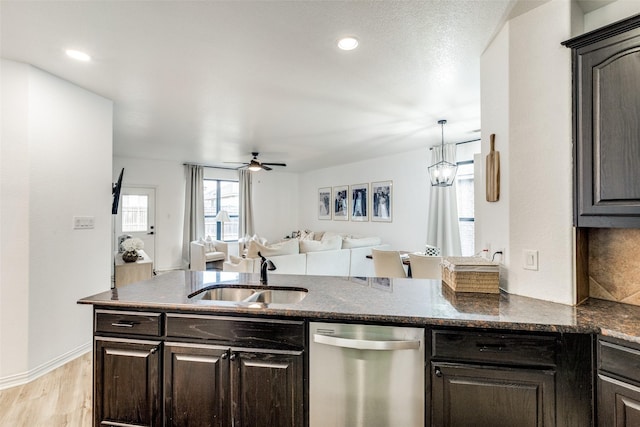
[[608, 132], [267, 388], [618, 403], [196, 385], [127, 383], [467, 395]]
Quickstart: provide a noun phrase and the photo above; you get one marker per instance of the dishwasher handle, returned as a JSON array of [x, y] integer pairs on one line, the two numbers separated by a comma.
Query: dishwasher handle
[[366, 344]]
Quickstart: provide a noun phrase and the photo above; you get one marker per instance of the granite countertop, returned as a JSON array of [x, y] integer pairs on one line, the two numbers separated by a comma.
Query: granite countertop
[[399, 301]]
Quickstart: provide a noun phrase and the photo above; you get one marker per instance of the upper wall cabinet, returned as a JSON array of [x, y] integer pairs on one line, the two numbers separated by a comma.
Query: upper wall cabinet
[[606, 125]]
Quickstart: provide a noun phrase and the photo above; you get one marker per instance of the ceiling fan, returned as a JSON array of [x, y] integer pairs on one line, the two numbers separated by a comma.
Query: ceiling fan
[[256, 165]]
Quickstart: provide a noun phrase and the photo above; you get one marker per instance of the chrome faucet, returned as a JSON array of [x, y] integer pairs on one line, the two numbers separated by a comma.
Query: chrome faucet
[[265, 265]]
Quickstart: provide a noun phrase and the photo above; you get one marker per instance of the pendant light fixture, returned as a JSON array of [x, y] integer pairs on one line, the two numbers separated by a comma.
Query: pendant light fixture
[[443, 173]]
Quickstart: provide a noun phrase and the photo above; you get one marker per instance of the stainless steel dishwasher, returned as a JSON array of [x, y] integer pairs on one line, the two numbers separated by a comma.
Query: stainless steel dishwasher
[[365, 375]]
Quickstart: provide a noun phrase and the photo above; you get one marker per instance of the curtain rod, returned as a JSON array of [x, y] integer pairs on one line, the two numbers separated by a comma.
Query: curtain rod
[[460, 143], [209, 166]]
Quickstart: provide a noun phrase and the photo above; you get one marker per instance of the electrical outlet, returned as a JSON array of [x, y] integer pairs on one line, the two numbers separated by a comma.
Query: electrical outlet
[[530, 259]]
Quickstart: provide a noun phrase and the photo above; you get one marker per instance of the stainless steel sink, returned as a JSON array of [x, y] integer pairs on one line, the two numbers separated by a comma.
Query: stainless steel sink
[[251, 294], [282, 296], [227, 294]]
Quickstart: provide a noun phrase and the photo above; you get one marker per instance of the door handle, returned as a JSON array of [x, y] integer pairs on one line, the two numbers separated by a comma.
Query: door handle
[[151, 232], [366, 344]]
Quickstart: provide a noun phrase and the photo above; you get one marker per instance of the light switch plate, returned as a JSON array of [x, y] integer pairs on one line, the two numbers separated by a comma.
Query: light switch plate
[[530, 259], [84, 222]]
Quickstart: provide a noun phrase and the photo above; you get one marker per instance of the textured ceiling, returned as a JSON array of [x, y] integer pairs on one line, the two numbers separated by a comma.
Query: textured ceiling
[[211, 81]]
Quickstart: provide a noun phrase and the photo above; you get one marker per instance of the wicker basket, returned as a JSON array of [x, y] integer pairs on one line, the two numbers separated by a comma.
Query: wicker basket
[[471, 274]]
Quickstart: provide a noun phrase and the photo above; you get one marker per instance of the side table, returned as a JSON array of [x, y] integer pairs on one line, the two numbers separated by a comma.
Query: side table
[[129, 272]]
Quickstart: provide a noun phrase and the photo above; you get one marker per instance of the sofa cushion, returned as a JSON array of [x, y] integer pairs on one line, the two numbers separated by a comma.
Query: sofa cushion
[[288, 247], [354, 242], [326, 244], [215, 256]]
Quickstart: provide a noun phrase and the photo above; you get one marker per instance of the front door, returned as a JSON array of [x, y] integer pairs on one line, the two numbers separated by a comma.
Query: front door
[[137, 215]]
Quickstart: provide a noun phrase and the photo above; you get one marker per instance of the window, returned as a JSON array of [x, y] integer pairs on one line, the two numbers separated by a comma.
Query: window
[[464, 191], [221, 195], [134, 213]]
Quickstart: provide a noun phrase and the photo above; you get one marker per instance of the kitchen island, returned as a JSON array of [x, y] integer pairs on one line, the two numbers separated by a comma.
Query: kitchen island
[[164, 340]]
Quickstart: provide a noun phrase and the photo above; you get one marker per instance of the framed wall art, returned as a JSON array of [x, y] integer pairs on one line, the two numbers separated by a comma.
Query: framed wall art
[[359, 202], [341, 203], [382, 201], [324, 203]]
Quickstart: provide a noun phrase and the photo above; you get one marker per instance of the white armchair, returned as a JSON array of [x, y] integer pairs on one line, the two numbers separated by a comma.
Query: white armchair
[[204, 251]]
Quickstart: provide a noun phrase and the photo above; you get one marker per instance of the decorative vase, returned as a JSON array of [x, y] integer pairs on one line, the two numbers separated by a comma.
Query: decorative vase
[[130, 256]]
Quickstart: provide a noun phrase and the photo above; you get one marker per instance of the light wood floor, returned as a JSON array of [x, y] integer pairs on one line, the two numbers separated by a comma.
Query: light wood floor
[[59, 398]]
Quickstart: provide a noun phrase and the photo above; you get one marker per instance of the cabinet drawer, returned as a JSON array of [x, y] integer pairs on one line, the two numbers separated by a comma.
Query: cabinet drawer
[[238, 331], [128, 323], [619, 360], [509, 349]]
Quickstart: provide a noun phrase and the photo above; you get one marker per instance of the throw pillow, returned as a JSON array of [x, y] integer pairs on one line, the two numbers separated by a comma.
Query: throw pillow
[[317, 235], [350, 242], [288, 247], [306, 235], [251, 248], [209, 245], [327, 244]]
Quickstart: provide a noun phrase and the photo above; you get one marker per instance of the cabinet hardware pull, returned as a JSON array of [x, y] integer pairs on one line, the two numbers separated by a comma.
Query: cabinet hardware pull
[[153, 350], [224, 355], [123, 324], [438, 372], [489, 347], [233, 356]]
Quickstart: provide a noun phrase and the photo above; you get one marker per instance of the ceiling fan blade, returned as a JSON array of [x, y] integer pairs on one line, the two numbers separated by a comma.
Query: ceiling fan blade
[[274, 164], [237, 163], [267, 168]]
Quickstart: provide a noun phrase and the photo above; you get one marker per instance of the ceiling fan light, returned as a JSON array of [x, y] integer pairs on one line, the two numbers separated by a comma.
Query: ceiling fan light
[[255, 168]]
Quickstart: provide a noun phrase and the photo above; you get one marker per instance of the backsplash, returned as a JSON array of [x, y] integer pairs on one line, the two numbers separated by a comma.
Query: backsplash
[[614, 264]]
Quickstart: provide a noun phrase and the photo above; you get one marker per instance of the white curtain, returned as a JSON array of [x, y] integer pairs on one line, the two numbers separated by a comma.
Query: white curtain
[[193, 209], [443, 230], [245, 227]]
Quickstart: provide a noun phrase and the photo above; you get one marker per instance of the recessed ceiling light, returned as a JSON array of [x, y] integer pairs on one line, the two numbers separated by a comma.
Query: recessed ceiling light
[[76, 54], [348, 43]]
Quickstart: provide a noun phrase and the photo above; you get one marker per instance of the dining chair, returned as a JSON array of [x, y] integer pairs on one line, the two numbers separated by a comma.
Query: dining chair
[[425, 266], [387, 263]]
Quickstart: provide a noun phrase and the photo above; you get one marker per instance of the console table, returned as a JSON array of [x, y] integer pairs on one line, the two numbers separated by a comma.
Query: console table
[[129, 272]]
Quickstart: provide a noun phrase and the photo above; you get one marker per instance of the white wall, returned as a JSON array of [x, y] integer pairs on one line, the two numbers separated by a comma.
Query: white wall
[[14, 221], [275, 203], [59, 156], [613, 12], [492, 218], [411, 187]]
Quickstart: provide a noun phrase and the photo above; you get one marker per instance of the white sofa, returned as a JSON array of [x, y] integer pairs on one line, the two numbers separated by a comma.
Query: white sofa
[[206, 250], [346, 258]]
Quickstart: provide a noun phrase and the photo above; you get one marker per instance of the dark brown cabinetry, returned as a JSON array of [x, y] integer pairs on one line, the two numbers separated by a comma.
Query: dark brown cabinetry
[[127, 377], [606, 122], [618, 383], [507, 379], [127, 383], [214, 386], [199, 371]]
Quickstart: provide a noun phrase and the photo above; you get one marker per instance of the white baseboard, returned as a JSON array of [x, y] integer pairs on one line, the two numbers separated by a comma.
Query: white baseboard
[[25, 377]]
